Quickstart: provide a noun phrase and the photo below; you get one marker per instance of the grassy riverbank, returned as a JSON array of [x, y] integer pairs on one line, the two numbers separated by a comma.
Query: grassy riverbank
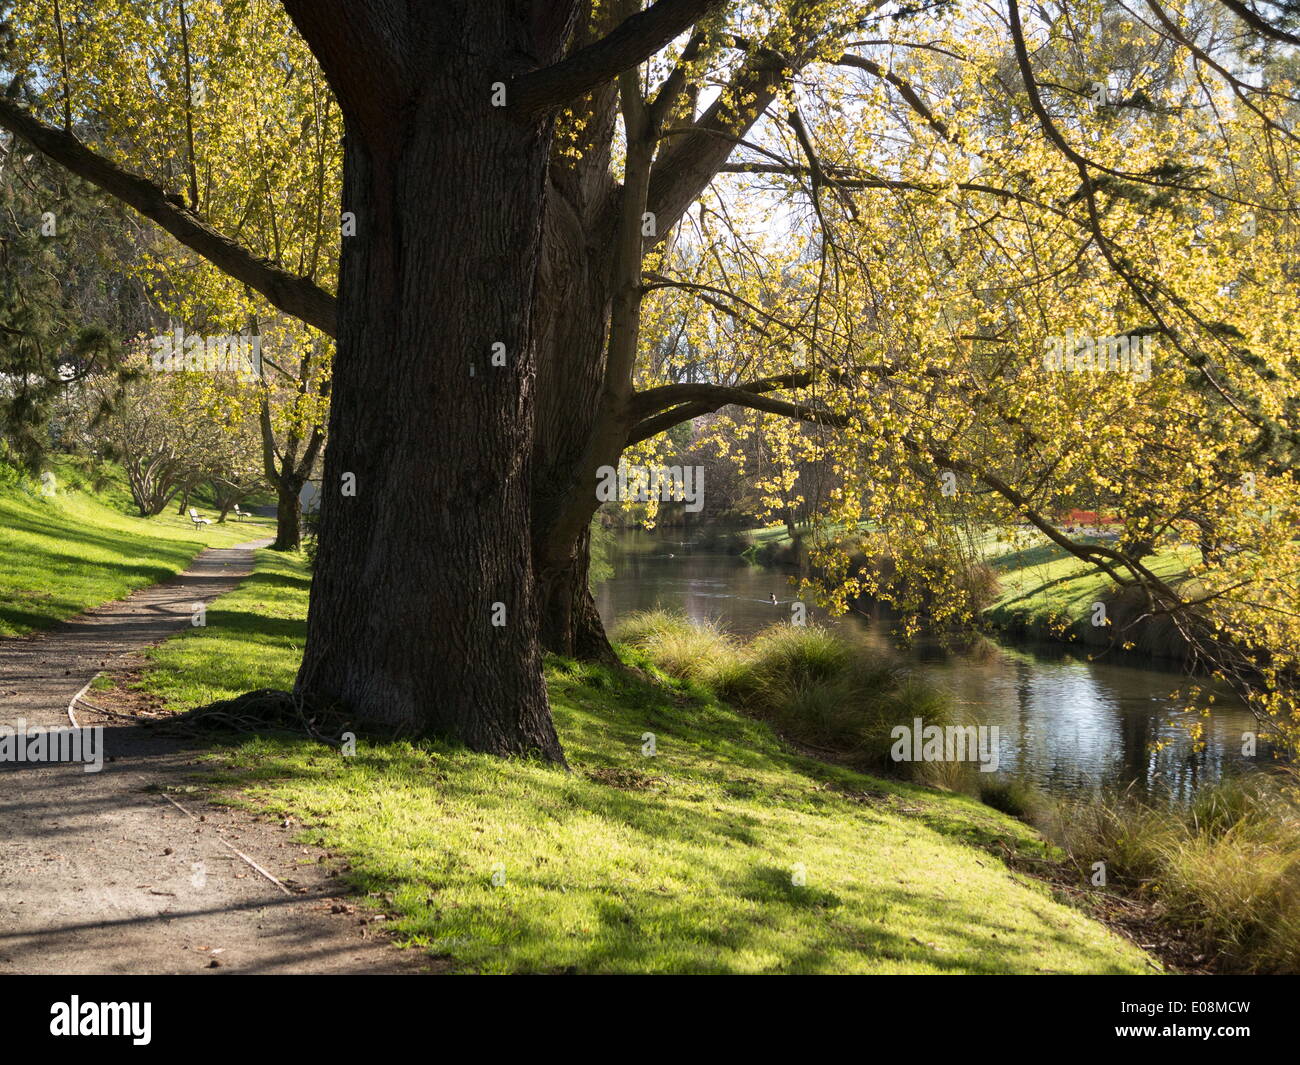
[[1047, 594], [1041, 592], [680, 862], [77, 548], [1220, 875], [1212, 882]]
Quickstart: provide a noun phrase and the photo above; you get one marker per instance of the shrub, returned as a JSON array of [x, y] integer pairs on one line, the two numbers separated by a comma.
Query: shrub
[[310, 537], [813, 684], [797, 654], [1226, 867], [682, 648]]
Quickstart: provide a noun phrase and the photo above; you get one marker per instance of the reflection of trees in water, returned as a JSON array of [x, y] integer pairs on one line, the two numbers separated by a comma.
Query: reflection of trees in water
[[1138, 762], [1119, 712], [1024, 714]]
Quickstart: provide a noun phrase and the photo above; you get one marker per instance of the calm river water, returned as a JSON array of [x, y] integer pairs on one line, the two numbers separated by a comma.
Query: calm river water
[[1065, 724]]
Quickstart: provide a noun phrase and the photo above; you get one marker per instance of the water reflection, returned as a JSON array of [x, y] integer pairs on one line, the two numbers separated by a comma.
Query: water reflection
[[1066, 724]]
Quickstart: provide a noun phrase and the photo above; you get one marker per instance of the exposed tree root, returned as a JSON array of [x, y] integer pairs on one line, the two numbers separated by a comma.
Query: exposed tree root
[[270, 710]]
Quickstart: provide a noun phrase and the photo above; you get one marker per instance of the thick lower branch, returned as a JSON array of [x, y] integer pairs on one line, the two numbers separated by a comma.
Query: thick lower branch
[[295, 296], [631, 42]]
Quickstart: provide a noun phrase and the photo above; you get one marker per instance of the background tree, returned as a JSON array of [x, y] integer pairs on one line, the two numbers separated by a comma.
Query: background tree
[[67, 304], [155, 430]]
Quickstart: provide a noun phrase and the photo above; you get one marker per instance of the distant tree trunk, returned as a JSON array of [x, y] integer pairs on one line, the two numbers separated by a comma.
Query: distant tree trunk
[[1207, 541], [288, 515], [185, 503], [152, 484], [287, 472]]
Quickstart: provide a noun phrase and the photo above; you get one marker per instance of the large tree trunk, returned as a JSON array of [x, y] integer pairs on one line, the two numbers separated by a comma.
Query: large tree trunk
[[423, 615]]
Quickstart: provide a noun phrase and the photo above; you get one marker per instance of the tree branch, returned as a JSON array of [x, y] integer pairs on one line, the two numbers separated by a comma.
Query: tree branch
[[705, 398], [296, 296], [1259, 25], [654, 400], [905, 90], [631, 42], [692, 400], [683, 170], [360, 45]]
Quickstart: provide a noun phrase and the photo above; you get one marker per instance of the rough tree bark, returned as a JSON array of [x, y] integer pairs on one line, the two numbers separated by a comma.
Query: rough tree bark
[[572, 327], [422, 614], [426, 531]]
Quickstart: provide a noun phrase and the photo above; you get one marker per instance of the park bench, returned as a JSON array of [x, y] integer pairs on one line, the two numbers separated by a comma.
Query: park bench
[[240, 515], [196, 520]]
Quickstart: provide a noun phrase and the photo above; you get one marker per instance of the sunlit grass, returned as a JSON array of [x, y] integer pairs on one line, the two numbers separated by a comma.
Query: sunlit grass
[[78, 549], [814, 684], [1049, 583], [680, 862]]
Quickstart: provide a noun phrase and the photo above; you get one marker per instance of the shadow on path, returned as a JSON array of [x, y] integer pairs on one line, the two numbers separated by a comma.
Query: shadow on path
[[103, 873]]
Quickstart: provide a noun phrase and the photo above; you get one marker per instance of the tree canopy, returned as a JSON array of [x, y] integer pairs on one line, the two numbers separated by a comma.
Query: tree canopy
[[985, 261]]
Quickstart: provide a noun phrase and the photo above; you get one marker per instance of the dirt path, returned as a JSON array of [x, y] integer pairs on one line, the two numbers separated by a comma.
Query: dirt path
[[104, 873]]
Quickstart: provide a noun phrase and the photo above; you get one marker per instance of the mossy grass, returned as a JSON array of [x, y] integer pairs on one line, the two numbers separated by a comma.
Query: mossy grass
[[722, 852], [64, 553]]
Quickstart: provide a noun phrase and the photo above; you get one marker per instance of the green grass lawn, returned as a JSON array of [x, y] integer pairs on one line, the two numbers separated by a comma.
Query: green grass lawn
[[682, 862], [65, 554], [1042, 589], [1044, 586], [777, 534]]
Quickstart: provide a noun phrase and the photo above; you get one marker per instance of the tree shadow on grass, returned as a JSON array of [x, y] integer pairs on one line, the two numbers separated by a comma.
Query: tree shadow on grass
[[702, 829], [1042, 555]]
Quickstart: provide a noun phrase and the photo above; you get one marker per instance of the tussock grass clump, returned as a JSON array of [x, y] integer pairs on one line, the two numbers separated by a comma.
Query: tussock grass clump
[[1225, 868], [812, 683], [689, 650], [798, 654]]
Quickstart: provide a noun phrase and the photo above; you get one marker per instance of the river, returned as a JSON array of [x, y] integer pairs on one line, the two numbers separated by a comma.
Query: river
[[1065, 724]]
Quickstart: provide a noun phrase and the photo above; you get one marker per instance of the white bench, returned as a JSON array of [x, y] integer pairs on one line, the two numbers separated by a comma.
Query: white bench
[[196, 520], [240, 515]]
